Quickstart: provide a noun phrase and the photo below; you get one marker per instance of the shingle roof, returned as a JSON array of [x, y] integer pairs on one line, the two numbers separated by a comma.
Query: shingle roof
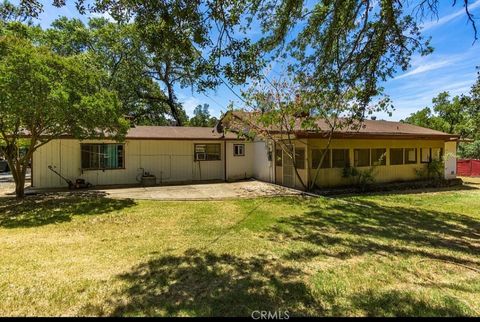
[[381, 127], [367, 129], [176, 133]]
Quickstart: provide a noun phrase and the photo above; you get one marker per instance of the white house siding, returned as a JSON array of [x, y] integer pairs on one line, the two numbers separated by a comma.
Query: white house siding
[[263, 168], [450, 160], [239, 167], [168, 160]]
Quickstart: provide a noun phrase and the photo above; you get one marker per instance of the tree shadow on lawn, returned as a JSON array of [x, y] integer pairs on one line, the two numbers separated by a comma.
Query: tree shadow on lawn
[[46, 209], [344, 229], [202, 283]]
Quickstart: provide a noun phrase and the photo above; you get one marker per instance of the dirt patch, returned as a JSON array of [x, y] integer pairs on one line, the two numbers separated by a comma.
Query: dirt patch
[[6, 187]]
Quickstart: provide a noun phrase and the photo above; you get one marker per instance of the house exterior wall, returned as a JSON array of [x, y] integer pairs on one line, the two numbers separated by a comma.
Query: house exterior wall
[[172, 161], [168, 160], [239, 167], [383, 173], [263, 167], [450, 160]]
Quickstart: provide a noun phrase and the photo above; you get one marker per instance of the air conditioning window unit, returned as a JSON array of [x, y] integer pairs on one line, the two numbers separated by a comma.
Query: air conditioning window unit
[[201, 156], [200, 148]]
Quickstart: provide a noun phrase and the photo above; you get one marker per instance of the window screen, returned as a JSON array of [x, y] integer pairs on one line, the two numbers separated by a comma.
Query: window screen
[[396, 156], [361, 157], [340, 158], [437, 153], [278, 157], [102, 156], [317, 155], [379, 156], [207, 152], [300, 158], [410, 156], [425, 155]]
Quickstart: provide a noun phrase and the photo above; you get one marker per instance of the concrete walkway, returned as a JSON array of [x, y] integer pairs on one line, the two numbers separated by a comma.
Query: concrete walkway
[[206, 191]]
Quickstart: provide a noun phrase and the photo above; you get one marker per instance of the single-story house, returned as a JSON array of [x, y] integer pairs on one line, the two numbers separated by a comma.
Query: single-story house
[[194, 154]]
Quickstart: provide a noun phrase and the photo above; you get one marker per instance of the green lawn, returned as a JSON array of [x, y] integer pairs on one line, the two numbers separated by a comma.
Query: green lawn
[[396, 254]]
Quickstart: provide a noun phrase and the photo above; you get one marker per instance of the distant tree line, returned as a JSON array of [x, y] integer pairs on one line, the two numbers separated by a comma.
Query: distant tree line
[[456, 115]]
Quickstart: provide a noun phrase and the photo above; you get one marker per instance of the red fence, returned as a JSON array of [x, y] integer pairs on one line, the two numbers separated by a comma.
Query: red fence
[[468, 168]]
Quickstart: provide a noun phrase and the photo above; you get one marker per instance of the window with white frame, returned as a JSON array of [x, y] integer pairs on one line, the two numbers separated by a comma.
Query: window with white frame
[[239, 150]]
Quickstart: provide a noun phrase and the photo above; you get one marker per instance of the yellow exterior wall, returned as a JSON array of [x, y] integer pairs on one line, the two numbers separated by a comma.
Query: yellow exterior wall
[[386, 173], [168, 160]]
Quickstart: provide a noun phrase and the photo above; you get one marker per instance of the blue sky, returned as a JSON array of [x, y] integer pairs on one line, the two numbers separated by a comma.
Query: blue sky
[[451, 67]]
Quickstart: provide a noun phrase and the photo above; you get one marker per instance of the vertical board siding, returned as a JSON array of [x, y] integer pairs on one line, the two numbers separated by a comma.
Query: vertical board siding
[[173, 161], [263, 169], [240, 167], [168, 160], [383, 173]]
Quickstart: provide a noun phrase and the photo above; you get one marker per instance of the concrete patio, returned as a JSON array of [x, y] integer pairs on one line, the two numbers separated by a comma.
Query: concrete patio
[[203, 191]]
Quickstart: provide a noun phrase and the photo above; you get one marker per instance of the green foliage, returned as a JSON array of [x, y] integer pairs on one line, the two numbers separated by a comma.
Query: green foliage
[[117, 49], [433, 170], [45, 95], [469, 150], [202, 117], [449, 115], [363, 179], [459, 115]]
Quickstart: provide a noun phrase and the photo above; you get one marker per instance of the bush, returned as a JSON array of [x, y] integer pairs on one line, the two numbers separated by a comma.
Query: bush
[[362, 179], [432, 170]]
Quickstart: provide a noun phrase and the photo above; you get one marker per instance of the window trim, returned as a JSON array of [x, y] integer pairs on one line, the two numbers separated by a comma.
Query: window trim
[[195, 152], [242, 145], [405, 160], [103, 169], [384, 160], [440, 155], [304, 158], [403, 156], [355, 161], [278, 157], [429, 155], [328, 157], [347, 154]]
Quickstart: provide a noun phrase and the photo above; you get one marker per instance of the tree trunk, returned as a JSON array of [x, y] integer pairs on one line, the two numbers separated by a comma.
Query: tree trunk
[[171, 103], [171, 95], [18, 173], [20, 185]]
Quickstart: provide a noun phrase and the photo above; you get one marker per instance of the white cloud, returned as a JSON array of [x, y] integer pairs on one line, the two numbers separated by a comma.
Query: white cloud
[[189, 104], [105, 15], [416, 100], [425, 68], [450, 17]]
